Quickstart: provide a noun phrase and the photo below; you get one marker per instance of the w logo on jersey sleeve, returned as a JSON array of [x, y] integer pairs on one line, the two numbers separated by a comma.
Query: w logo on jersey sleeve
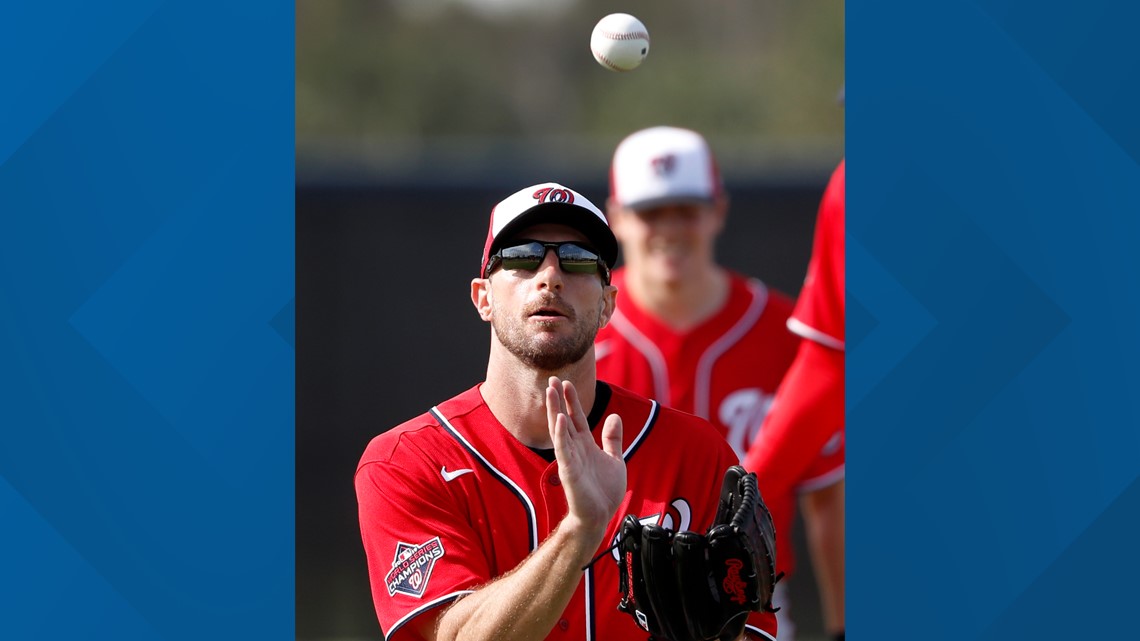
[[412, 566]]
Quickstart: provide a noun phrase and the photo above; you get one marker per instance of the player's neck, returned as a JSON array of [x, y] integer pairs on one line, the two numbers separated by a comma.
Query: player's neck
[[681, 304], [516, 394]]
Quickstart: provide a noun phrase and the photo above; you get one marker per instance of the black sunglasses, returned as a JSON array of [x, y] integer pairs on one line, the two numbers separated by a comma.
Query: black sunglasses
[[527, 255]]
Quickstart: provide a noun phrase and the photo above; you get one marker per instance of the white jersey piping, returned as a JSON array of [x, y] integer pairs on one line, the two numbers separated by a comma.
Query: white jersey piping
[[800, 328], [533, 524], [826, 479], [703, 377], [648, 349], [423, 608], [653, 410], [755, 630]]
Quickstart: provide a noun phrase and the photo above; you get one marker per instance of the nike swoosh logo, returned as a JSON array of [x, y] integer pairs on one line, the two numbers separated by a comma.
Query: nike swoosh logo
[[451, 476]]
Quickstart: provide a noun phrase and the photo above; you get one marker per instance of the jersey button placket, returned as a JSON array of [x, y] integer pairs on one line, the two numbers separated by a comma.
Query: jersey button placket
[[555, 496]]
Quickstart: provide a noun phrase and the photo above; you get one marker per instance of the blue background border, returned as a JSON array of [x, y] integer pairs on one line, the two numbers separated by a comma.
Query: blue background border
[[993, 200], [146, 327]]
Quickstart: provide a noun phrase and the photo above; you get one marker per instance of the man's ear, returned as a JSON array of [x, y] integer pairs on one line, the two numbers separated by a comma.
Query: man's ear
[[609, 304], [481, 297]]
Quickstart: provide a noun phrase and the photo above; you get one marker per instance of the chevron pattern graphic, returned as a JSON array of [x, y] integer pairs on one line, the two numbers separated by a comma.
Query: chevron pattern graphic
[[146, 344], [993, 443]]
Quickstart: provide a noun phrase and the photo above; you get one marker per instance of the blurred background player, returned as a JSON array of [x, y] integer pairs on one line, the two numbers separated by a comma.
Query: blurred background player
[[809, 404], [689, 332]]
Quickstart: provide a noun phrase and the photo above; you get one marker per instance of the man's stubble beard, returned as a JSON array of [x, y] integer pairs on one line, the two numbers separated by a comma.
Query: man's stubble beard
[[541, 351]]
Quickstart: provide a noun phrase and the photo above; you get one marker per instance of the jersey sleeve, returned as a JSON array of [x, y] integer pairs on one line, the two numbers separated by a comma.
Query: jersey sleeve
[[820, 309], [762, 625], [422, 552], [806, 413]]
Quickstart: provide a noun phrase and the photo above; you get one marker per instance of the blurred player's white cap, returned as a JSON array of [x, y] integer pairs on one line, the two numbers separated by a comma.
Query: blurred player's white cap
[[549, 203], [664, 165]]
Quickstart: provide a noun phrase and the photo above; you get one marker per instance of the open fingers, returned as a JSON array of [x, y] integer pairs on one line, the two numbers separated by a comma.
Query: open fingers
[[563, 445], [553, 405], [555, 383], [612, 435], [574, 407]]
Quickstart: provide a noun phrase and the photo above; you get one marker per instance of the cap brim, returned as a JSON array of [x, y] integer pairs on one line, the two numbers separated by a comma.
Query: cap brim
[[596, 231], [650, 203]]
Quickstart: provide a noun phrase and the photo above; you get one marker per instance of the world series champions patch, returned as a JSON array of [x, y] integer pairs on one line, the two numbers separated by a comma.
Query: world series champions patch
[[412, 566]]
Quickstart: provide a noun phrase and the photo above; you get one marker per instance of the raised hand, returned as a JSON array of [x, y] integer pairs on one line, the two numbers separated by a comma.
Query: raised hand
[[593, 477]]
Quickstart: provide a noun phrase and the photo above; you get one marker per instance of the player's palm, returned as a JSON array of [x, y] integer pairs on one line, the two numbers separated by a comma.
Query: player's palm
[[593, 477]]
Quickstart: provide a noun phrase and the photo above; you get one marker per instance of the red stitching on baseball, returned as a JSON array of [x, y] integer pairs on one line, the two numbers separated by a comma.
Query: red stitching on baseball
[[627, 36], [607, 62]]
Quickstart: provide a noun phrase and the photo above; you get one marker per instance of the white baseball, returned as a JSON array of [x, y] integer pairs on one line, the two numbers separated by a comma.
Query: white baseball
[[619, 42]]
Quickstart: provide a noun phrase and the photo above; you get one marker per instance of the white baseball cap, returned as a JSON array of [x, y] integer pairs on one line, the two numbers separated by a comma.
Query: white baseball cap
[[549, 203], [663, 165]]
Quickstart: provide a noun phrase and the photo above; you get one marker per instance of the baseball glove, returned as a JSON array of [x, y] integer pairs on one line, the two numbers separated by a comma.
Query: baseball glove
[[684, 586]]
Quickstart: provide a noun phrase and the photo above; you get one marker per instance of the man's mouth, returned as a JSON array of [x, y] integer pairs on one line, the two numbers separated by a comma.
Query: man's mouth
[[547, 312]]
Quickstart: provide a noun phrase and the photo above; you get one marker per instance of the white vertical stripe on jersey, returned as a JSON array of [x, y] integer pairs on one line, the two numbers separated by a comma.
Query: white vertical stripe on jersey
[[703, 382], [653, 409], [649, 350]]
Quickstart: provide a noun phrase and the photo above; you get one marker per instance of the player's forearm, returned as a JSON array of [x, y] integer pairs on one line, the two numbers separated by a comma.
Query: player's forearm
[[525, 604], [824, 523], [807, 412]]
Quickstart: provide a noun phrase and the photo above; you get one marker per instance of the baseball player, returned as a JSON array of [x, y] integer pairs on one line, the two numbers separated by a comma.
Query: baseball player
[[809, 403], [688, 332], [495, 514]]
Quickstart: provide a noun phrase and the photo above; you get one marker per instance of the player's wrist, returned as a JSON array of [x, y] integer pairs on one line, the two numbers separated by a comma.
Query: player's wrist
[[584, 528], [583, 536]]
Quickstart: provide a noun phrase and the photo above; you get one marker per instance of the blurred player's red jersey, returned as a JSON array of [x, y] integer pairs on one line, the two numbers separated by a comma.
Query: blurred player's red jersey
[[810, 407], [725, 370], [451, 500], [821, 308]]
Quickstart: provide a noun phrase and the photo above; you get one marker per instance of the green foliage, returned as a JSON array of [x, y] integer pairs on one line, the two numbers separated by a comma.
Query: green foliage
[[428, 69]]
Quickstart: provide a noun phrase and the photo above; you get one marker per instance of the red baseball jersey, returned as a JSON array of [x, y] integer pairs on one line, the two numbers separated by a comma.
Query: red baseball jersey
[[821, 310], [450, 500], [726, 370], [811, 398]]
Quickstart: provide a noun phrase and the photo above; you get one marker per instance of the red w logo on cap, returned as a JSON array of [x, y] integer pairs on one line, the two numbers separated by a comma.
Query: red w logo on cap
[[664, 165], [552, 195]]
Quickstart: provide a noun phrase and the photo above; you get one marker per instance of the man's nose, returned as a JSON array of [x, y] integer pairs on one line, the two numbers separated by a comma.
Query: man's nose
[[549, 271]]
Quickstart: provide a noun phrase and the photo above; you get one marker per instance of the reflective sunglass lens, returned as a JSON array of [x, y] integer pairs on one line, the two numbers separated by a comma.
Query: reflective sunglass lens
[[572, 258], [577, 259], [527, 256]]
